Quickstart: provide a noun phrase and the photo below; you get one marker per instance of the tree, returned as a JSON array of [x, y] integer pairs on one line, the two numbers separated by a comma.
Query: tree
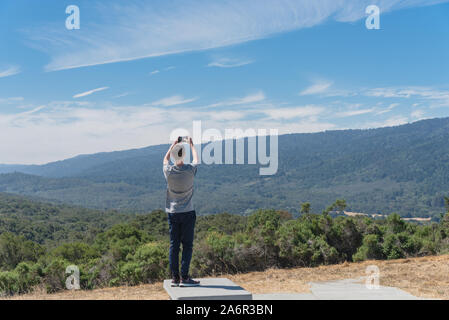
[[305, 207], [371, 249], [339, 205], [262, 226], [395, 223], [15, 249], [76, 252]]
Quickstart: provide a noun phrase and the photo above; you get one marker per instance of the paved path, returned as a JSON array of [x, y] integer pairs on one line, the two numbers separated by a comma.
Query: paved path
[[348, 289]]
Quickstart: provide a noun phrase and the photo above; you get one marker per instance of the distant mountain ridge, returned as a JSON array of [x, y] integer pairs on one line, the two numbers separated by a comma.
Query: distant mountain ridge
[[402, 169], [76, 165]]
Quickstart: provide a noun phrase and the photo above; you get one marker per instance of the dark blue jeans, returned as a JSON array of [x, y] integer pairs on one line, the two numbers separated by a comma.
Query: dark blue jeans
[[182, 227]]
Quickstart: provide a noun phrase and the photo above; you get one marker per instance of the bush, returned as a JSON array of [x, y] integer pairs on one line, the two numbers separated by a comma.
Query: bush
[[103, 273], [370, 249], [248, 255], [21, 280], [148, 264], [76, 253], [155, 223], [401, 245], [262, 228], [54, 275], [215, 254], [9, 283], [15, 249], [345, 237], [120, 241], [129, 254], [395, 224], [322, 252], [302, 242]]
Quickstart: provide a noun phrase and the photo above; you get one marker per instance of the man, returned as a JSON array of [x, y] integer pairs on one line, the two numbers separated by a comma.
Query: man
[[181, 214]]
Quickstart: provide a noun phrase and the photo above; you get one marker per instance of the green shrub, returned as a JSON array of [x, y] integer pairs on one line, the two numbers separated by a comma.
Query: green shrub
[[345, 237], [54, 275], [302, 242], [120, 241], [401, 245], [129, 254], [395, 224], [15, 249], [21, 280], [214, 254], [9, 283], [262, 228], [370, 249], [76, 253], [148, 264], [322, 252]]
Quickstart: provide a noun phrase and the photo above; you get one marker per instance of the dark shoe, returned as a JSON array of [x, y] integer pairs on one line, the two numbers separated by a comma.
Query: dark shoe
[[189, 282], [175, 282]]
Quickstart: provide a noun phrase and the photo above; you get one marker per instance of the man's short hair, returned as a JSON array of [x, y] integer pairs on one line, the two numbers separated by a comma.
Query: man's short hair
[[178, 152]]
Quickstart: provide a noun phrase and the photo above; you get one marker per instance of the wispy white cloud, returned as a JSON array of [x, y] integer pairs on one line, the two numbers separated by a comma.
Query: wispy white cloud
[[317, 88], [87, 93], [16, 99], [89, 129], [172, 101], [388, 109], [408, 92], [227, 115], [34, 110], [10, 71], [292, 113], [11, 100], [351, 113], [125, 94], [248, 99], [434, 97], [140, 29], [156, 71], [229, 63], [417, 114]]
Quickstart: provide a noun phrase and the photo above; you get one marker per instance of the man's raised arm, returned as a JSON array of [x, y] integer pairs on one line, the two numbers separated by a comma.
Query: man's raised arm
[[194, 153], [167, 155]]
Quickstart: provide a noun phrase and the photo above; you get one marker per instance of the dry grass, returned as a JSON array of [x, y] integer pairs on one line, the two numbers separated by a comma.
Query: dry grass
[[424, 277], [142, 292]]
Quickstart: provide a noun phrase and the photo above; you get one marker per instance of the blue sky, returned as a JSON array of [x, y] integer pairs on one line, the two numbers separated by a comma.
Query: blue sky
[[136, 70]]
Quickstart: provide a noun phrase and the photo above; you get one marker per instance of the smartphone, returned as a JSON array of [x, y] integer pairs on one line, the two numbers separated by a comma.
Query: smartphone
[[183, 139]]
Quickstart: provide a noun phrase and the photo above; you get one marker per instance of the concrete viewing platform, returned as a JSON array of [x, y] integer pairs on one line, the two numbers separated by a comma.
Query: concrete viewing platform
[[210, 289], [348, 289], [355, 289]]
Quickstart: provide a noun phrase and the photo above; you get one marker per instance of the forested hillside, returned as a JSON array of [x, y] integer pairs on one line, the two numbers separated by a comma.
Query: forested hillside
[[39, 241], [50, 225], [402, 169]]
